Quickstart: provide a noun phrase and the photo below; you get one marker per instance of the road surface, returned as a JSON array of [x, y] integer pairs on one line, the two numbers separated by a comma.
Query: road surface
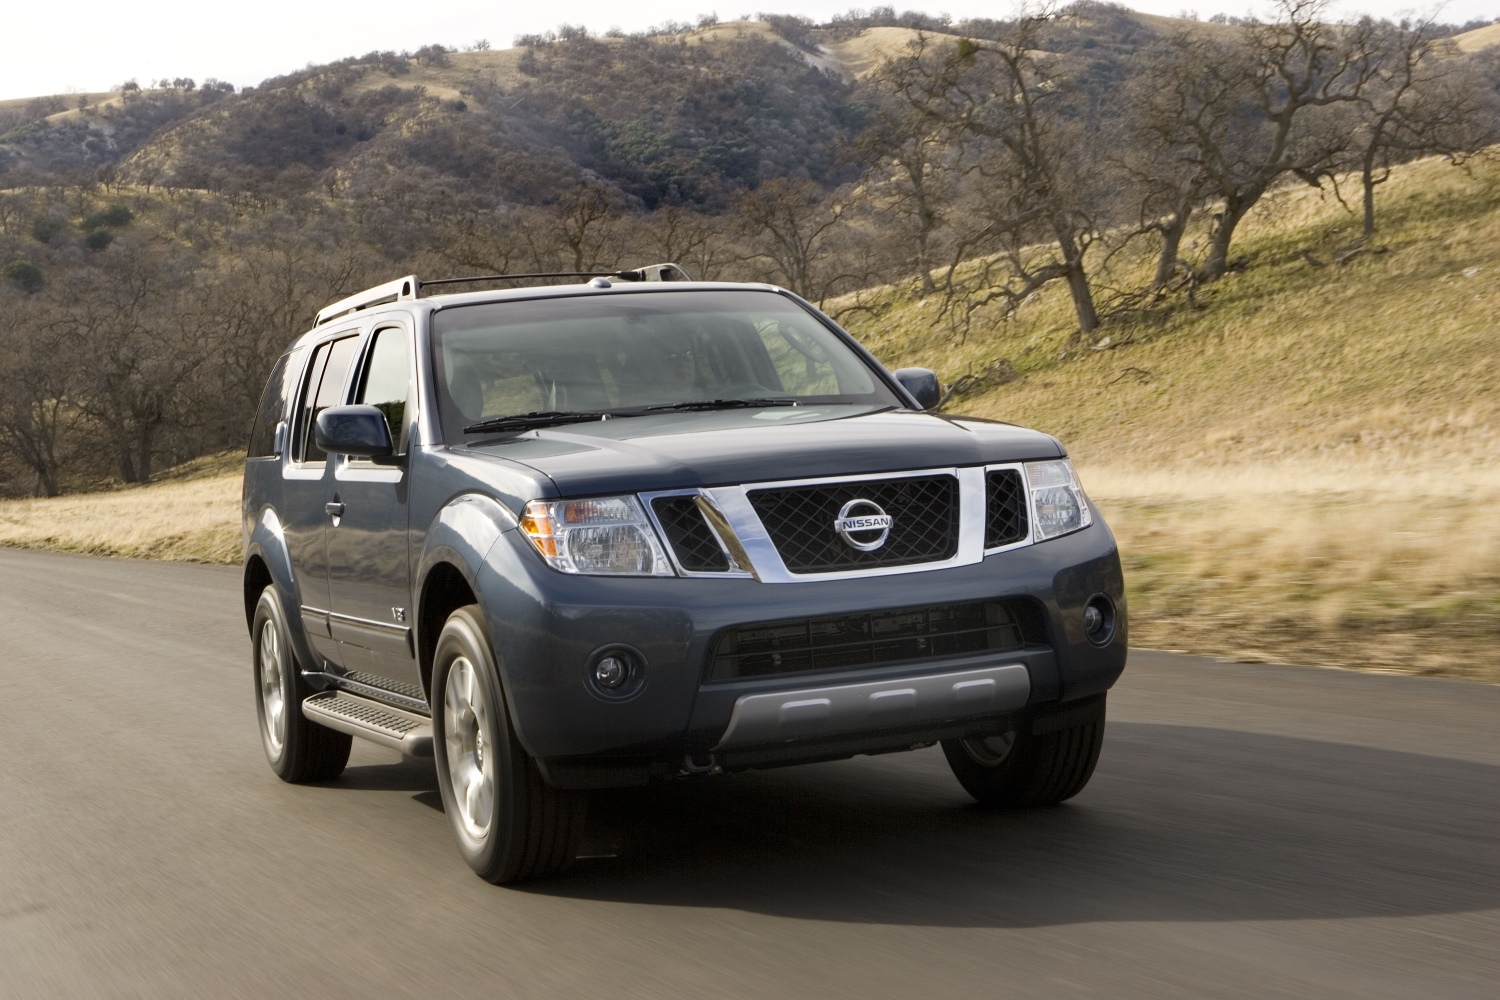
[[1251, 831]]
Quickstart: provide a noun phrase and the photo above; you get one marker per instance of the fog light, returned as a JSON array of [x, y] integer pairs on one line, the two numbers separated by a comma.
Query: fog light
[[615, 672], [1099, 620], [611, 671]]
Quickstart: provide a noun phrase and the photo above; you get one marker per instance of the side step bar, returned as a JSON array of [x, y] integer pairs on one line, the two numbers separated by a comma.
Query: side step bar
[[368, 719]]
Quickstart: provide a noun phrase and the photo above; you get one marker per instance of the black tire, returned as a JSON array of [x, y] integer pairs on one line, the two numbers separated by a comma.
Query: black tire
[[297, 748], [1037, 768], [522, 828]]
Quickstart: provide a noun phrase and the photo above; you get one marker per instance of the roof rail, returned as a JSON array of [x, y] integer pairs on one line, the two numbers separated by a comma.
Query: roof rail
[[411, 286], [391, 291]]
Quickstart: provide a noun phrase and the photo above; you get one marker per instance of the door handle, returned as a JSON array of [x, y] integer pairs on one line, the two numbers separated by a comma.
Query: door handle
[[333, 509]]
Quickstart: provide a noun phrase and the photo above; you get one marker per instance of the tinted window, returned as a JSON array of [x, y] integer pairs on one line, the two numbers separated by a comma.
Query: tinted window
[[325, 384], [272, 408], [384, 384], [621, 352]]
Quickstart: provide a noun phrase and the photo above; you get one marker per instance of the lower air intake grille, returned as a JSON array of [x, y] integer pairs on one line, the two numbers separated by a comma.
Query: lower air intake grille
[[1005, 509], [800, 520], [697, 549], [876, 638]]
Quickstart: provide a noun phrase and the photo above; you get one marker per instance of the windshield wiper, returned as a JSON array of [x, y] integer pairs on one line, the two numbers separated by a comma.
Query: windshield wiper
[[722, 404], [546, 418]]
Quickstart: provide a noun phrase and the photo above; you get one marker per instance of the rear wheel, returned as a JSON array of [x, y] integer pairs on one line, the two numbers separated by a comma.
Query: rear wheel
[[1022, 768], [297, 748], [510, 824]]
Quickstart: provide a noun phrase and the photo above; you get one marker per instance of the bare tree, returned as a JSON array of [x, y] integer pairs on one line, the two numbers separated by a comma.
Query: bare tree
[[791, 228], [1263, 99], [1035, 216], [907, 159], [38, 377], [1420, 101], [1165, 104], [698, 242]]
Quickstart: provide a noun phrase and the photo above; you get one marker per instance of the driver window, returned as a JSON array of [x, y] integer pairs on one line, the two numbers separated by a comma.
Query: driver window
[[800, 360], [385, 383], [325, 384]]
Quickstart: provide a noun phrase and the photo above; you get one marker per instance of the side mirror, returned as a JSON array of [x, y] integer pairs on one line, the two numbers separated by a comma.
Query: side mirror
[[923, 385], [356, 431]]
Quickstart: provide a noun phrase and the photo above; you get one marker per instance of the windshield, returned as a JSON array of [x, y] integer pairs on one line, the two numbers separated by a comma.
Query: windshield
[[626, 352]]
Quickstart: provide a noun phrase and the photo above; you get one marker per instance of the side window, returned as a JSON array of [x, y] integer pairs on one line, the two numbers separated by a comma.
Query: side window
[[385, 383], [272, 408], [325, 382]]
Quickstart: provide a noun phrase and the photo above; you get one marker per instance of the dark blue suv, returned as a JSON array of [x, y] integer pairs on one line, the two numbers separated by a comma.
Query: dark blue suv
[[635, 529]]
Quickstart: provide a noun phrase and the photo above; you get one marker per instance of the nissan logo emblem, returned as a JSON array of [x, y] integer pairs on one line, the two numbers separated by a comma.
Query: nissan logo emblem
[[863, 525]]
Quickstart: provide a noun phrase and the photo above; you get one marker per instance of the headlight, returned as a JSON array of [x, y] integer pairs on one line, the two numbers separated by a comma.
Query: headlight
[[607, 536], [1057, 502]]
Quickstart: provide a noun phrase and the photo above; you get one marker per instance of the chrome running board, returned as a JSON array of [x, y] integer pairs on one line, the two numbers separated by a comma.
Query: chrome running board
[[370, 720]]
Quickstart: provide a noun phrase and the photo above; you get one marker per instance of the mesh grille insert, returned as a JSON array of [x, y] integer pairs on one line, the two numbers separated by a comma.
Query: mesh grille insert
[[1005, 509], [697, 549], [799, 519], [873, 638]]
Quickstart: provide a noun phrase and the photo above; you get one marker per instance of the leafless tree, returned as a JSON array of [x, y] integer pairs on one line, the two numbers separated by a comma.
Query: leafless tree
[[38, 379], [1036, 201], [791, 230], [908, 174], [1264, 97], [1420, 101]]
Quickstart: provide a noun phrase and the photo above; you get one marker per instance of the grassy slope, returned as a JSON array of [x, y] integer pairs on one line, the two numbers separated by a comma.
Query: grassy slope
[[1303, 470]]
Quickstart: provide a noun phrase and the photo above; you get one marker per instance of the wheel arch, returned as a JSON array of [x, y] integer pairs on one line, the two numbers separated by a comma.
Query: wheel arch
[[461, 535]]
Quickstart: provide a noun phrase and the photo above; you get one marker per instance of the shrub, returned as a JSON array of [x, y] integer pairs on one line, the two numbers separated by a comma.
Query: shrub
[[98, 239], [46, 228], [113, 216], [24, 275]]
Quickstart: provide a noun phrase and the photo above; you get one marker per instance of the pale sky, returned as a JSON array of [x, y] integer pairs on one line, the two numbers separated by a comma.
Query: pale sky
[[89, 45]]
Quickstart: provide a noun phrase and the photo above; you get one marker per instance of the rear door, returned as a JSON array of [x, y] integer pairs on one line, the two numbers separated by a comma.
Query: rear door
[[307, 487], [369, 567]]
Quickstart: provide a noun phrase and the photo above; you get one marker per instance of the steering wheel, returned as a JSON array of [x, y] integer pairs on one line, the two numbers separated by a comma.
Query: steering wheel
[[802, 343]]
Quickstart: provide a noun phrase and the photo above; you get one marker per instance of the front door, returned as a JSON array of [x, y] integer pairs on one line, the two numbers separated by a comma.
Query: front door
[[307, 486], [369, 571]]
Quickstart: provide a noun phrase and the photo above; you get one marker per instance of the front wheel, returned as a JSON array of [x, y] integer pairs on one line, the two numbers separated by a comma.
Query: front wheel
[[510, 824], [1023, 768], [297, 748]]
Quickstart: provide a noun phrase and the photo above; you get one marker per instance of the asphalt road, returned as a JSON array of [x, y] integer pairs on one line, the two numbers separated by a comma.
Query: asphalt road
[[1251, 831]]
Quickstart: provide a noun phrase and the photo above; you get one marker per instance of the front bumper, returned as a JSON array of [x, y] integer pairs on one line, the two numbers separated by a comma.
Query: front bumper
[[545, 625]]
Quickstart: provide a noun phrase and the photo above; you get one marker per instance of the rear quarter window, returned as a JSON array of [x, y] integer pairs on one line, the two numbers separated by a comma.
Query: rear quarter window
[[272, 409]]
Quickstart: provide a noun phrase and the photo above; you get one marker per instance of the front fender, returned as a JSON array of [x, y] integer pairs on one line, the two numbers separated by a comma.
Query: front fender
[[460, 536]]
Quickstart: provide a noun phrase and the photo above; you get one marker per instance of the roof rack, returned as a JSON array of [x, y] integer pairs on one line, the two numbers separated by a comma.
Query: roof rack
[[410, 287]]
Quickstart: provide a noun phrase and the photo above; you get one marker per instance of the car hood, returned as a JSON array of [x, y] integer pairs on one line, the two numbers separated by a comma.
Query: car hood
[[726, 447]]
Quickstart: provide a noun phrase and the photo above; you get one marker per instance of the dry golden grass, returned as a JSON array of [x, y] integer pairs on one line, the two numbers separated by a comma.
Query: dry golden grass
[[1364, 567], [1479, 38], [190, 516]]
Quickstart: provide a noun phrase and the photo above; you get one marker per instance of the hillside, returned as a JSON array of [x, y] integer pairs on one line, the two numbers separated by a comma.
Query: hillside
[[687, 118], [1304, 469], [1479, 38]]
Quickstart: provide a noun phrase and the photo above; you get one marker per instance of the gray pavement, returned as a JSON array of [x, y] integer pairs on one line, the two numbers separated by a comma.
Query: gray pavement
[[1252, 831]]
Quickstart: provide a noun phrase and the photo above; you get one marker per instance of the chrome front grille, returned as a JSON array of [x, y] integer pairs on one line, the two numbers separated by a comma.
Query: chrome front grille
[[800, 521], [806, 530]]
